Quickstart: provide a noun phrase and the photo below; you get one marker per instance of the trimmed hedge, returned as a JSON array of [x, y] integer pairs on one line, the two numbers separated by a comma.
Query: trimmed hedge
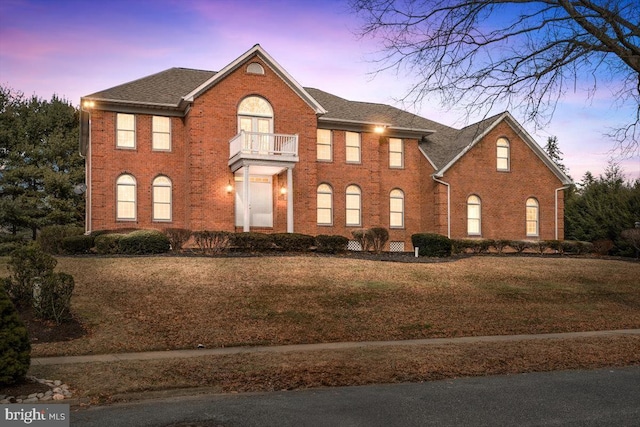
[[331, 244], [293, 242], [108, 244], [431, 245], [212, 241], [252, 241], [144, 242], [78, 244]]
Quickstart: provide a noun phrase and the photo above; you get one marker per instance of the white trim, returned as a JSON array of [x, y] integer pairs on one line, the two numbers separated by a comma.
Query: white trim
[[271, 63], [427, 157]]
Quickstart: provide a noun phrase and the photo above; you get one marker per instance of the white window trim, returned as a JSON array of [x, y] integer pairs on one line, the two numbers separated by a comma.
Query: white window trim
[[154, 132], [154, 202], [479, 219], [401, 152], [503, 143], [537, 219], [135, 197], [330, 145], [401, 212], [118, 130], [347, 208], [330, 208], [347, 146]]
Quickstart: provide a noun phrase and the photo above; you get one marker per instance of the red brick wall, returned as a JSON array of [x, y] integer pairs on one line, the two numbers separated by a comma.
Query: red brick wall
[[198, 168], [503, 194]]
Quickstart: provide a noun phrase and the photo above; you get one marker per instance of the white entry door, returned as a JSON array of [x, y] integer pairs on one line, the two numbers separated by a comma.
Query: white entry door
[[260, 201]]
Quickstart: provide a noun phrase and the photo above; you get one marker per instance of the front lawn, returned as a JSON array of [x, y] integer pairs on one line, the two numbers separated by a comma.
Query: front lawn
[[164, 303]]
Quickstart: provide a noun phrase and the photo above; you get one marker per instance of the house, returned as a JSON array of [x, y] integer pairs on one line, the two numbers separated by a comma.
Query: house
[[248, 148]]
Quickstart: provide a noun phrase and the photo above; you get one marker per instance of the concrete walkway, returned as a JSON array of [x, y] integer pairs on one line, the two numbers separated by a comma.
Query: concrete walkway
[[155, 355]]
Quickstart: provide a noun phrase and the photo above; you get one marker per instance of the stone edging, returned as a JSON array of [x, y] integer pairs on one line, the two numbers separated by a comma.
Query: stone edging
[[57, 391]]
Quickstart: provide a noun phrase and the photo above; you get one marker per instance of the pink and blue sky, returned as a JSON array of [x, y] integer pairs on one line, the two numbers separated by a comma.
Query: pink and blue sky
[[72, 48]]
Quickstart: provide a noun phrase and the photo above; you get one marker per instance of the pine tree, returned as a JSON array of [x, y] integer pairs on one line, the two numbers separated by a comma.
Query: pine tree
[[15, 349]]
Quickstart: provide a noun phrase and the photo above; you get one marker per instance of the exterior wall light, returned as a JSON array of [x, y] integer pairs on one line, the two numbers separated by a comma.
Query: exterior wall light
[[88, 104], [229, 188], [379, 129]]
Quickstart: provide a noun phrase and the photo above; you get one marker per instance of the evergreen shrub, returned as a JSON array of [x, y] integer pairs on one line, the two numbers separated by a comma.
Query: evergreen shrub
[[51, 237], [15, 349], [293, 242], [252, 241], [331, 244], [144, 242], [432, 245], [78, 244]]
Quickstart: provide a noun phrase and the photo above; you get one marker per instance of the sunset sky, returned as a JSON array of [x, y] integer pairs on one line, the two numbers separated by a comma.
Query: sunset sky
[[74, 48]]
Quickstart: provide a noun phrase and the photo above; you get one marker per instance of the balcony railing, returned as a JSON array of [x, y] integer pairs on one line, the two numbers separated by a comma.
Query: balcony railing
[[263, 145]]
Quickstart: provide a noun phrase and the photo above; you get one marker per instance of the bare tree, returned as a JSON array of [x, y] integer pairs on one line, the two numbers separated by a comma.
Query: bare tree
[[525, 54]]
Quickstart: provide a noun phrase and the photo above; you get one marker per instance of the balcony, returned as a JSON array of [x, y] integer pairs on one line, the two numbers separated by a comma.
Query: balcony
[[262, 148]]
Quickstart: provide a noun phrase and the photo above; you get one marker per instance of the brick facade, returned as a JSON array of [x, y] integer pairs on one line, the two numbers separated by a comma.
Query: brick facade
[[198, 167]]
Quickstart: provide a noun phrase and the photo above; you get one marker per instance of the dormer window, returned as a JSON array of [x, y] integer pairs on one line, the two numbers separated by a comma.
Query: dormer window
[[502, 154], [255, 68]]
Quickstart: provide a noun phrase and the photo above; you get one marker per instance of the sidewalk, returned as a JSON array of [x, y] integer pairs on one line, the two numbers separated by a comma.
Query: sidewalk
[[172, 354]]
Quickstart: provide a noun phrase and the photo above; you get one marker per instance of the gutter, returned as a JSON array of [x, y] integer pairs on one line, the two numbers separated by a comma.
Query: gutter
[[449, 204]]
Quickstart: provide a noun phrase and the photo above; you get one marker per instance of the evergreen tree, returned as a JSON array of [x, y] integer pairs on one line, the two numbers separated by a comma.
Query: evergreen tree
[[39, 165], [15, 349]]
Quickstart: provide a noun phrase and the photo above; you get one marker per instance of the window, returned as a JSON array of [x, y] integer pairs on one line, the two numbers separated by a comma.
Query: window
[[325, 205], [353, 205], [255, 117], [473, 215], [126, 198], [396, 153], [255, 68], [324, 151], [161, 133], [502, 154], [396, 209], [162, 199], [125, 130], [353, 147], [532, 217]]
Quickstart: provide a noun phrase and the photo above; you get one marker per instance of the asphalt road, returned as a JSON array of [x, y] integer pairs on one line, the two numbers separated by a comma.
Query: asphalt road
[[608, 397]]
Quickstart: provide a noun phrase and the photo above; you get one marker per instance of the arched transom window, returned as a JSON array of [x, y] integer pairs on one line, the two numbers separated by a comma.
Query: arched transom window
[[255, 115]]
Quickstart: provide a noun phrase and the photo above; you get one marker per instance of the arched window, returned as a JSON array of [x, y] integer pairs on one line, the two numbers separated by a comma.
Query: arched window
[[502, 154], [126, 198], [354, 205], [255, 68], [396, 209], [533, 224], [325, 205], [473, 215], [255, 115], [162, 199]]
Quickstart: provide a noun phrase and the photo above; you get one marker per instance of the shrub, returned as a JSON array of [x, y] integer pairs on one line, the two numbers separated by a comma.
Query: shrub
[[9, 243], [519, 245], [500, 245], [632, 236], [541, 246], [252, 241], [481, 246], [52, 297], [50, 238], [432, 245], [77, 244], [331, 244], [460, 246], [379, 238], [576, 247], [144, 242], [603, 246], [15, 350], [364, 237], [107, 244], [212, 241], [27, 263], [293, 242], [177, 237], [555, 245]]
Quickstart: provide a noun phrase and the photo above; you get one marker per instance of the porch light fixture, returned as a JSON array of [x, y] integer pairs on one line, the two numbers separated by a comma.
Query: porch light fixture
[[229, 187], [283, 190], [88, 104], [379, 129]]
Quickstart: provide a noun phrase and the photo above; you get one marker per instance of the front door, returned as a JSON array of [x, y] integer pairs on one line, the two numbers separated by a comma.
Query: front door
[[260, 201]]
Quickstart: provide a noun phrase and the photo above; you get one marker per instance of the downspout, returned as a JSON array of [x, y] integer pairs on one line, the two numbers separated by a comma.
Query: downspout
[[448, 204], [87, 172], [558, 189]]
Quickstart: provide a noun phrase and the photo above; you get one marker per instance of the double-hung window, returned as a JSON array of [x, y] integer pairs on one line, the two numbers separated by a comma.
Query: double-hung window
[[126, 198], [473, 215], [354, 206], [324, 205], [502, 155], [532, 217], [161, 130], [323, 145], [162, 199], [396, 153], [353, 147], [396, 208], [125, 130]]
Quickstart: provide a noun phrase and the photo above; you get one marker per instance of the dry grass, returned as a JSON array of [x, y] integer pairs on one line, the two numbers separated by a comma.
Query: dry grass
[[106, 382], [163, 303]]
